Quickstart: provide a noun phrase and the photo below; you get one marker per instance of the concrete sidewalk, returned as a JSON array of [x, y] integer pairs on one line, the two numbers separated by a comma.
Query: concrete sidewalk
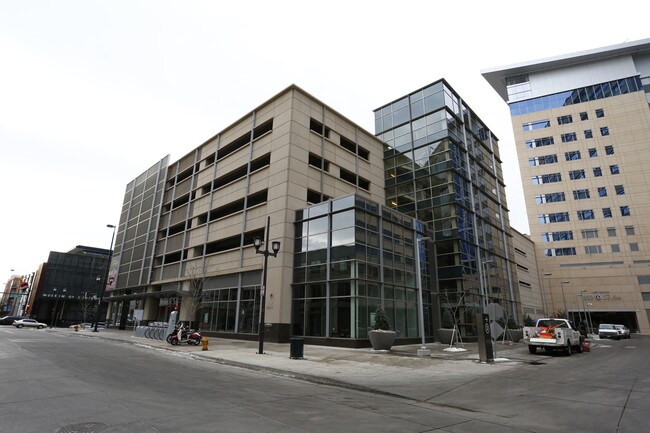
[[399, 372]]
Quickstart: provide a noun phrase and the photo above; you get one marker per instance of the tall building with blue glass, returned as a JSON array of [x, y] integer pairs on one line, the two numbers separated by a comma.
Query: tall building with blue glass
[[582, 126], [442, 166]]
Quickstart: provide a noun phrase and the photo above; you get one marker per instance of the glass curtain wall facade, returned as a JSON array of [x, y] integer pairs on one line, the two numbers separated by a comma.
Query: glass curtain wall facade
[[442, 166], [353, 257]]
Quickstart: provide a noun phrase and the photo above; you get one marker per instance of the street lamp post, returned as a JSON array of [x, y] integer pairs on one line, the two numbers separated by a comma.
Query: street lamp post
[[275, 247], [579, 309], [562, 283], [422, 351], [587, 312], [102, 287], [56, 306], [550, 293]]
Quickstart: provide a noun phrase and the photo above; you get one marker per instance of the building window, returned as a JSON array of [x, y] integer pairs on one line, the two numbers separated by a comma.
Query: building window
[[538, 124], [597, 172], [600, 112], [552, 197], [614, 169], [629, 230], [602, 191], [593, 249], [625, 211], [315, 197], [593, 152], [318, 162], [319, 128], [604, 131], [557, 236], [609, 150], [634, 246], [539, 142], [563, 120], [611, 231], [607, 212], [571, 97], [353, 147], [577, 174], [584, 116], [586, 214], [588, 134], [348, 176], [547, 178], [620, 189], [550, 252], [572, 156], [542, 160], [589, 233], [550, 218], [616, 248], [580, 194], [569, 137]]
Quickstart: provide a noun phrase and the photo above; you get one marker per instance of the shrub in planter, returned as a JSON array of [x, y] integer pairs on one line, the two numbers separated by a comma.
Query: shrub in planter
[[381, 337]]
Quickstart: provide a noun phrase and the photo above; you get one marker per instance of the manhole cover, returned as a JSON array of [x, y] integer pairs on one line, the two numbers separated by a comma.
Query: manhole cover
[[84, 427]]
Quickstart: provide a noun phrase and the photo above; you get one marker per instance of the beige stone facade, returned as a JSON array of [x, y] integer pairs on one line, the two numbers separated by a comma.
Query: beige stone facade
[[528, 279], [582, 127], [290, 152]]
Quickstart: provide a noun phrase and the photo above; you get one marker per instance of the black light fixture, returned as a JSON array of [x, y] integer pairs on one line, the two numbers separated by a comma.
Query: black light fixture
[[275, 247]]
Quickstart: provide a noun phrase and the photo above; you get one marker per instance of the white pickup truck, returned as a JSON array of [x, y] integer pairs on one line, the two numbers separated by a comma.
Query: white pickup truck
[[553, 334]]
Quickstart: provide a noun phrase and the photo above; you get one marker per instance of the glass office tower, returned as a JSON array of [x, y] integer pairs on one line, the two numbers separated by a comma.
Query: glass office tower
[[442, 166]]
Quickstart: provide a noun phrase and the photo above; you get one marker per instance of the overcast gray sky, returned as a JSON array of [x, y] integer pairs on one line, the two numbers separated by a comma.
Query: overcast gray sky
[[94, 92]]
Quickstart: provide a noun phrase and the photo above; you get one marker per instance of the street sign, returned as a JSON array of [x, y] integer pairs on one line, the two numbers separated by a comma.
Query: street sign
[[495, 311]]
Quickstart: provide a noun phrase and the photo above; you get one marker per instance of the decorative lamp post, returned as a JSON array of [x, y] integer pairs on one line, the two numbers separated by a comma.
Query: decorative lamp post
[[102, 287], [422, 351], [275, 247]]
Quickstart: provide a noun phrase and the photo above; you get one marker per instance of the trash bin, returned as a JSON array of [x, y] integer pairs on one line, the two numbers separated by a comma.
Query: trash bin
[[296, 348]]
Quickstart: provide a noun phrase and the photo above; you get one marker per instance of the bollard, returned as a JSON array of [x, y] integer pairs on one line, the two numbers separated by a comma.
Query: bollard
[[204, 343]]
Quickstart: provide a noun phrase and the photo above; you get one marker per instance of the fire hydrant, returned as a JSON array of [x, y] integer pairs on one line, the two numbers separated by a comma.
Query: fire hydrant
[[204, 343], [76, 328]]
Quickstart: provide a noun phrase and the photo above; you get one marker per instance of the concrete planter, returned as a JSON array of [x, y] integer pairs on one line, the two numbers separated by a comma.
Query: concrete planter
[[444, 335], [381, 340], [515, 335]]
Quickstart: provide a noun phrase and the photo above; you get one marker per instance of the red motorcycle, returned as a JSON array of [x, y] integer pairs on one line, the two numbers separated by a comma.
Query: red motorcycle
[[191, 337]]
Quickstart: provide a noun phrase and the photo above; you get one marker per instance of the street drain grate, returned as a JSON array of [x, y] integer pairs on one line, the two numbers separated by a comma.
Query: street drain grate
[[84, 427], [537, 363]]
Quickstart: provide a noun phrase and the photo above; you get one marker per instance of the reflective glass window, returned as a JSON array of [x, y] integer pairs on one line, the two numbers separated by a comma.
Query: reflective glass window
[[343, 219], [318, 225]]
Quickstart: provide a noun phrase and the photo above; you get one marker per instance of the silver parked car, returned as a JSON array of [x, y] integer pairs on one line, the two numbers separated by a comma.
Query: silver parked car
[[606, 330], [29, 323], [623, 331]]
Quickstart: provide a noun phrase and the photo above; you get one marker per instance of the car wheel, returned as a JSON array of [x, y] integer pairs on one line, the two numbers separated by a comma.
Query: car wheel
[[532, 349], [567, 349], [579, 347], [40, 326], [19, 326]]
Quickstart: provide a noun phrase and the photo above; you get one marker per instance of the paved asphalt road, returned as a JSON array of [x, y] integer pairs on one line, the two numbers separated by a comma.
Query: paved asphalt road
[[53, 381]]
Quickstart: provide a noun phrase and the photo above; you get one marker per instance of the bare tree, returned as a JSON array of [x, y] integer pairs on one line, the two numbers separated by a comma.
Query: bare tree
[[195, 279], [450, 313], [86, 304]]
